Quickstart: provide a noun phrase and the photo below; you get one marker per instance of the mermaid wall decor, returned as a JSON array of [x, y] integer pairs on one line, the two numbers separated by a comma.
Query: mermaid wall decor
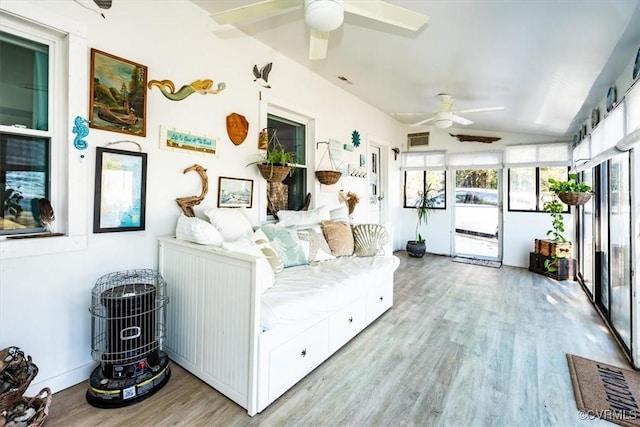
[[202, 87]]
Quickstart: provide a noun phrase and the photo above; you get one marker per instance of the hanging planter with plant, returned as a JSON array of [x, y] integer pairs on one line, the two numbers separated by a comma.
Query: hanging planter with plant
[[328, 177], [572, 192], [275, 164]]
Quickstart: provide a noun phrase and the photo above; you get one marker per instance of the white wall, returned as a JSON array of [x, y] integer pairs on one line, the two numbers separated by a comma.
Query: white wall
[[44, 300], [519, 228]]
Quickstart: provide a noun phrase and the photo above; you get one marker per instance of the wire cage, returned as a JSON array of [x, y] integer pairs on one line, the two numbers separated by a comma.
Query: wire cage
[[127, 316]]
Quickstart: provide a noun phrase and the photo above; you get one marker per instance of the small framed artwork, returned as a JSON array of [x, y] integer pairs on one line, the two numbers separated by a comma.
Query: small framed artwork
[[118, 94], [234, 192], [120, 190]]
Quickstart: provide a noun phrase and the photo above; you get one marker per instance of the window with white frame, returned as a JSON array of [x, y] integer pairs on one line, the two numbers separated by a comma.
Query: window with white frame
[[47, 79], [25, 138], [530, 168], [424, 173]]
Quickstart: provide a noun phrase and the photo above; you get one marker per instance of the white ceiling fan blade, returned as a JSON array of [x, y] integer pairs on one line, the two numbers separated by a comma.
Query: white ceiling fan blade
[[256, 10], [386, 12], [318, 45], [422, 122], [460, 120], [480, 110], [414, 114]]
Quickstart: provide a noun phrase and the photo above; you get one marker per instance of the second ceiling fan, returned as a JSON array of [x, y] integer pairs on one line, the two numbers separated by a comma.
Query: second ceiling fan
[[445, 117], [324, 16]]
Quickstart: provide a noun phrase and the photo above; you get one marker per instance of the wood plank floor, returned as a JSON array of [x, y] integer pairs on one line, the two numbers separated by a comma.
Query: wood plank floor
[[463, 345]]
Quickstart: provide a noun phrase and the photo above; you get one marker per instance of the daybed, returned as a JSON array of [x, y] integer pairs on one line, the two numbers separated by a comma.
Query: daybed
[[252, 334]]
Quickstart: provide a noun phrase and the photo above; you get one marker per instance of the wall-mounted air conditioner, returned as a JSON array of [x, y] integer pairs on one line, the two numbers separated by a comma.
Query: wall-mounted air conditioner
[[418, 141]]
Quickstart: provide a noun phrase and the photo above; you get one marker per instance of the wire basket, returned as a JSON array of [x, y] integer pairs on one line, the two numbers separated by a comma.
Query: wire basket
[[328, 177], [574, 199], [16, 373], [29, 411]]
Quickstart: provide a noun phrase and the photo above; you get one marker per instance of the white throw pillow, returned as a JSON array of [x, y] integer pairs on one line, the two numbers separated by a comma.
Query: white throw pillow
[[340, 214], [303, 219], [196, 230], [247, 245], [232, 223]]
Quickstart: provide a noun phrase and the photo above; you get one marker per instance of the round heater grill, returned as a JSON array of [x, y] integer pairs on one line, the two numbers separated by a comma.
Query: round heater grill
[[127, 325]]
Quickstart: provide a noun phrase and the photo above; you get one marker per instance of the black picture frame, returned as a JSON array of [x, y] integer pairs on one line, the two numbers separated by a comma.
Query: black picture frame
[[120, 190], [235, 192]]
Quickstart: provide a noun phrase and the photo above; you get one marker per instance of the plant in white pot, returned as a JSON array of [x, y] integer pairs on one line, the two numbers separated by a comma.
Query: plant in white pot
[[417, 248]]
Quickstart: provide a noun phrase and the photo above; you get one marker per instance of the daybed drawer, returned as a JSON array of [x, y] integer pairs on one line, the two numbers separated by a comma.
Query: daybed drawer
[[346, 323], [297, 357], [379, 301]]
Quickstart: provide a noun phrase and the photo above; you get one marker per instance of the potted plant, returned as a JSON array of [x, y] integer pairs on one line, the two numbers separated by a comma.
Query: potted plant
[[571, 192], [417, 248], [275, 163]]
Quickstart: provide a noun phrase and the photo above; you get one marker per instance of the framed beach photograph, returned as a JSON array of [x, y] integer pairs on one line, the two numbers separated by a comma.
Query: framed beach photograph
[[118, 98], [120, 190], [234, 192]]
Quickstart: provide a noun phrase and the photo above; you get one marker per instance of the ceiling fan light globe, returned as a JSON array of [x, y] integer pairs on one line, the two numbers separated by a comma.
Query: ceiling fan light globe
[[324, 15], [443, 123]]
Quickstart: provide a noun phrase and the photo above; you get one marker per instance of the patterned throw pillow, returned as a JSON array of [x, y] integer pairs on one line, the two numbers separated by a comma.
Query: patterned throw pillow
[[369, 239], [262, 242], [339, 237], [287, 244], [314, 244]]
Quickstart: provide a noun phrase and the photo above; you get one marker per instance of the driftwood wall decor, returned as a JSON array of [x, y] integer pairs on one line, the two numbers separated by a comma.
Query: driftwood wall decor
[[474, 138], [187, 203]]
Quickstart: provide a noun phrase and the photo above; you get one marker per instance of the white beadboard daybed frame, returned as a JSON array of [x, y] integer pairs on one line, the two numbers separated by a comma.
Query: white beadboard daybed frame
[[213, 324]]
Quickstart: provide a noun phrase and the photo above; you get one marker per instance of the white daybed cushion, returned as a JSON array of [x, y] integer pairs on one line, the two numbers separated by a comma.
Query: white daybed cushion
[[232, 223], [303, 293], [197, 230]]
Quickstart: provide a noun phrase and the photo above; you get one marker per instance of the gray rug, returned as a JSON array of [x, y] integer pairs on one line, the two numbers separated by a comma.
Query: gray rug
[[475, 261]]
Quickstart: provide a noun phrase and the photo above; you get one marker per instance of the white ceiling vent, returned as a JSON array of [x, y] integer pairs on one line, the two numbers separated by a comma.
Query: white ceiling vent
[[418, 141]]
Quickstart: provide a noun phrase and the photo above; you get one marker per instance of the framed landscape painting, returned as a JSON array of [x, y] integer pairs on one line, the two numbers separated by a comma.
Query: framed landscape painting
[[234, 192], [118, 98]]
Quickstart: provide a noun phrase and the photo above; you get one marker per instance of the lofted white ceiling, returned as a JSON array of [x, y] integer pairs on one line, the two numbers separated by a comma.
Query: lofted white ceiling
[[548, 62]]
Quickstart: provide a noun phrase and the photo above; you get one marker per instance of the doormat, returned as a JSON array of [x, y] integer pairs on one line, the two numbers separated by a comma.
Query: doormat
[[475, 261], [605, 391]]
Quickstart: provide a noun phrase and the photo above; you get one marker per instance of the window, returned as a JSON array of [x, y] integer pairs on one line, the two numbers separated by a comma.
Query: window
[[39, 153], [24, 157], [419, 182], [291, 193], [529, 187]]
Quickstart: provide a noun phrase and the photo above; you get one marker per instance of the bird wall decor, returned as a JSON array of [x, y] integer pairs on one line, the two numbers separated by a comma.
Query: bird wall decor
[[187, 203], [262, 75], [202, 87]]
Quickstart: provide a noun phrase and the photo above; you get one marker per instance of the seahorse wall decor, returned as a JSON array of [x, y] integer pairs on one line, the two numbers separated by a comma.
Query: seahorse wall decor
[[81, 130], [202, 87], [187, 203]]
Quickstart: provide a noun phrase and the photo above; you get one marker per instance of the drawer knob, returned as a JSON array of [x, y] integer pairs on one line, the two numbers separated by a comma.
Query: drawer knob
[[381, 298], [303, 353], [350, 319]]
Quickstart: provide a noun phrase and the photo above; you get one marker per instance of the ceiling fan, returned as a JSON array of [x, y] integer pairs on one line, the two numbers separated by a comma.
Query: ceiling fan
[[445, 117], [324, 16]]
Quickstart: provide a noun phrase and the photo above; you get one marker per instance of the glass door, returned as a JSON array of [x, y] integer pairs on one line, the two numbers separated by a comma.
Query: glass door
[[477, 214], [586, 239], [620, 246]]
